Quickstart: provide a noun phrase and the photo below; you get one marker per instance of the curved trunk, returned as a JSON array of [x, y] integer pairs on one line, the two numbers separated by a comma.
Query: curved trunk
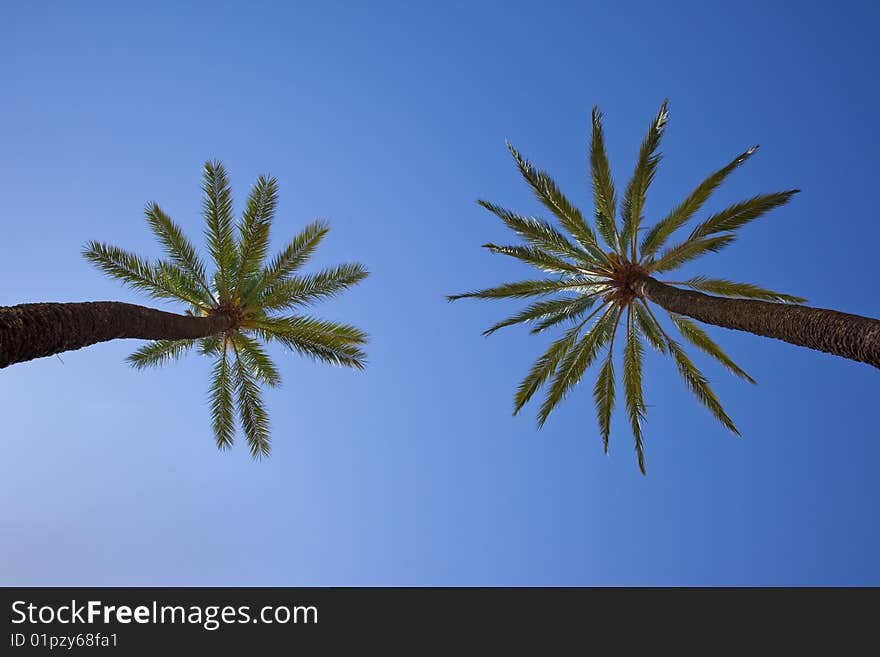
[[34, 330], [841, 334]]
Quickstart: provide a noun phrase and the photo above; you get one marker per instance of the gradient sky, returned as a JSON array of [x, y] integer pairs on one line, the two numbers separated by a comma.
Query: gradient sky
[[389, 121]]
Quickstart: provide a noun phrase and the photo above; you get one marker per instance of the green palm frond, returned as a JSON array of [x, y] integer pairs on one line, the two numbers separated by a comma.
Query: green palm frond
[[523, 289], [159, 352], [649, 326], [183, 286], [291, 258], [699, 385], [251, 412], [661, 231], [534, 256], [690, 249], [577, 360], [305, 290], [603, 396], [248, 292], [222, 409], [127, 267], [253, 241], [134, 271], [179, 248], [572, 312], [725, 288], [698, 337], [603, 186], [547, 191], [217, 209], [211, 346], [633, 201], [739, 214], [545, 366], [330, 342], [633, 354], [255, 358], [540, 310], [538, 233]]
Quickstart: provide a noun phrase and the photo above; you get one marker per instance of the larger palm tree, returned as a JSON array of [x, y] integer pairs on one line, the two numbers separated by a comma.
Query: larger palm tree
[[600, 283], [230, 314]]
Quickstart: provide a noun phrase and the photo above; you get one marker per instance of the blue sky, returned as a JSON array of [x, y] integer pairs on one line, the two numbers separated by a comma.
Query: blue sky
[[389, 121]]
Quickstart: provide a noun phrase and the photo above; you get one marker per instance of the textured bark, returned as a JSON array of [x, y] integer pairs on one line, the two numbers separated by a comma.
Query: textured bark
[[850, 336], [34, 330]]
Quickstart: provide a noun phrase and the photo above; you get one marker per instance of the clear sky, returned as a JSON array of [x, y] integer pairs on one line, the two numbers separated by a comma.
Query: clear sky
[[389, 121]]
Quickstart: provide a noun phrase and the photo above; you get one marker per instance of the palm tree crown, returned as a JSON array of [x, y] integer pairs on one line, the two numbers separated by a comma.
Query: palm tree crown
[[257, 297], [591, 286]]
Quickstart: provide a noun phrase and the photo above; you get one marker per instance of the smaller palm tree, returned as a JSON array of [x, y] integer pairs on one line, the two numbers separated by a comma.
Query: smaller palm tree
[[251, 298], [606, 287]]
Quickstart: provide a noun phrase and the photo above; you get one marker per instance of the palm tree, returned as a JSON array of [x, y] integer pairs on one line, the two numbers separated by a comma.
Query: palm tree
[[230, 314], [597, 290]]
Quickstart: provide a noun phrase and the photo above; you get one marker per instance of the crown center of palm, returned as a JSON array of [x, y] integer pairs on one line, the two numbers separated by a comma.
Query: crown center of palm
[[622, 278], [231, 310]]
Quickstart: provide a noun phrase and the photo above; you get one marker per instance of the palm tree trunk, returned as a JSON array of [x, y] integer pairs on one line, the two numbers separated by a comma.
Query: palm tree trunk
[[34, 330], [850, 336]]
